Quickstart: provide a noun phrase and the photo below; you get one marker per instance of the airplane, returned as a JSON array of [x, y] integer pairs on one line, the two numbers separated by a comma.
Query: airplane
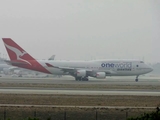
[[80, 70]]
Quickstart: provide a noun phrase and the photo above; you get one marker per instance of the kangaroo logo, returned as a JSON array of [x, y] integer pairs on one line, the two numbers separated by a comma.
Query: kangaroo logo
[[18, 53]]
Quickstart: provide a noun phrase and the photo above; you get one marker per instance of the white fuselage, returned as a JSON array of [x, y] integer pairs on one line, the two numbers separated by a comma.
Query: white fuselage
[[110, 67]]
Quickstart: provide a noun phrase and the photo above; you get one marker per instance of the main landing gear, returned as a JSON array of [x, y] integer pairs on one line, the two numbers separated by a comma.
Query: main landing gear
[[136, 78], [81, 78]]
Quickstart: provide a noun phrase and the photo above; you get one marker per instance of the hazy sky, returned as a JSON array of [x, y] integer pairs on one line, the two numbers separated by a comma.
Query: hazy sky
[[83, 29]]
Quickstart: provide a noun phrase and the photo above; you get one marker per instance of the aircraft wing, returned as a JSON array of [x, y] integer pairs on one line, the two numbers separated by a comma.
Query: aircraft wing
[[69, 69]]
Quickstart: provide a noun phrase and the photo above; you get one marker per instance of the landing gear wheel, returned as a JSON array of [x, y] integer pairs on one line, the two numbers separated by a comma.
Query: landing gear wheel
[[78, 78], [136, 79], [85, 79], [81, 78]]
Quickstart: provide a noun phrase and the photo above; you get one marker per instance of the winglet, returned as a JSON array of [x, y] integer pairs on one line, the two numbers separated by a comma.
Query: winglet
[[52, 57]]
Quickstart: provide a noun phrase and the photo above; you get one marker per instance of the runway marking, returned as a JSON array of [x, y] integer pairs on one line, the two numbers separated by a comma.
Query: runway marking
[[71, 106]]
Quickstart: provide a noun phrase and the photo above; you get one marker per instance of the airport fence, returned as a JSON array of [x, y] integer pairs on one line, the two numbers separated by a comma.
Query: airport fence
[[69, 114]]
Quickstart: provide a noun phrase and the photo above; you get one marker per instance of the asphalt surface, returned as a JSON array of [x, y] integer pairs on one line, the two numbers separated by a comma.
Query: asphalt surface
[[69, 80], [77, 92]]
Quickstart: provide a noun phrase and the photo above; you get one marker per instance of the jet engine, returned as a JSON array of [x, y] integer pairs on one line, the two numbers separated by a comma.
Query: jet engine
[[81, 73], [101, 75]]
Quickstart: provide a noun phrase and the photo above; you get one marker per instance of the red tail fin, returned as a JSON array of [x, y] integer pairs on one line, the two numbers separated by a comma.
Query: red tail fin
[[21, 58], [15, 52]]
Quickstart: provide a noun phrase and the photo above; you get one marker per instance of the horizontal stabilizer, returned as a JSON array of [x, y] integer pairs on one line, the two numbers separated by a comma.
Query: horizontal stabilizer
[[15, 62]]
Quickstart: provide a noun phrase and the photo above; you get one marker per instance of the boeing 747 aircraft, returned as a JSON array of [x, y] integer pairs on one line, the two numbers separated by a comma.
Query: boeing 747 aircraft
[[81, 70]]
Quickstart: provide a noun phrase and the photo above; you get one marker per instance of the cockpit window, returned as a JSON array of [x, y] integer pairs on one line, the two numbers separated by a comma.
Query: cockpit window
[[141, 62]]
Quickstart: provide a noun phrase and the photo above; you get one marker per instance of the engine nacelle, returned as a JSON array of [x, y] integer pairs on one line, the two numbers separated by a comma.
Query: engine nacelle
[[81, 73], [101, 75]]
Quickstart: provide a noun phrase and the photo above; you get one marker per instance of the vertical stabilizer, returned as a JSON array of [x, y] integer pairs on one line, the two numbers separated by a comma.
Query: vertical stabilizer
[[15, 52]]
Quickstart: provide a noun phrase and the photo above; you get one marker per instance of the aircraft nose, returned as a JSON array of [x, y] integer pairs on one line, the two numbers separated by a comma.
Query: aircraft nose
[[150, 69]]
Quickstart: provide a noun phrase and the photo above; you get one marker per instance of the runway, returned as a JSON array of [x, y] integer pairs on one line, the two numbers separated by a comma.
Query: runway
[[70, 80], [77, 92], [119, 81]]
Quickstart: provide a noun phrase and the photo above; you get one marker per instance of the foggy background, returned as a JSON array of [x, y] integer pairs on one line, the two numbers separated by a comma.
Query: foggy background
[[83, 29]]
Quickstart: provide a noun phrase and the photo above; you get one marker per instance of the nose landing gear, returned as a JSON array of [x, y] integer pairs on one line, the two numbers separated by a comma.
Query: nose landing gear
[[137, 78]]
